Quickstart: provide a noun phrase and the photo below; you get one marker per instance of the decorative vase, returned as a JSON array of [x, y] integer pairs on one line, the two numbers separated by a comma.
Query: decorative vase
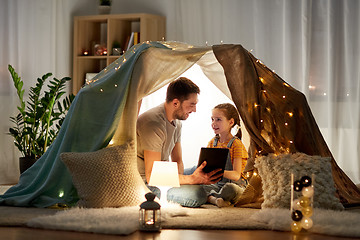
[[104, 9], [25, 163]]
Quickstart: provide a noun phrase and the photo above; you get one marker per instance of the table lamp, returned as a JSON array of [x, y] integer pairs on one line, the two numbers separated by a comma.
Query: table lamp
[[164, 175]]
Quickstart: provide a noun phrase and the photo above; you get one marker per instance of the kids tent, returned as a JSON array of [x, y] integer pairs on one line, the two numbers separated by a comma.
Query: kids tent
[[106, 109]]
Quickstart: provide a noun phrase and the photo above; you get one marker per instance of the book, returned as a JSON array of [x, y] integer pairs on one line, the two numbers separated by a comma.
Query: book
[[126, 43], [131, 41], [136, 38]]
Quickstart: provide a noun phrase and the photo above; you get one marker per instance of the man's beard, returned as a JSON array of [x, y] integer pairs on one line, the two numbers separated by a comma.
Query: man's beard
[[180, 115]]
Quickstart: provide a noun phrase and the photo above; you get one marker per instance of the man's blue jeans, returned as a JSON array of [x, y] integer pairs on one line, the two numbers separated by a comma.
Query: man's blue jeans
[[187, 195]]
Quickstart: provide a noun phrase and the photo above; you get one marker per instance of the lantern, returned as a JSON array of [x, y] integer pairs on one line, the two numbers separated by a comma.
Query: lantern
[[149, 215]]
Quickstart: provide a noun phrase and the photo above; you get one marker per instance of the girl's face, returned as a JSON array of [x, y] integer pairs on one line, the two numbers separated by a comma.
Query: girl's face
[[219, 123]]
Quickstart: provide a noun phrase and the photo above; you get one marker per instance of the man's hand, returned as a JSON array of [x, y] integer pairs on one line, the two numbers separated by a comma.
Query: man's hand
[[201, 177]]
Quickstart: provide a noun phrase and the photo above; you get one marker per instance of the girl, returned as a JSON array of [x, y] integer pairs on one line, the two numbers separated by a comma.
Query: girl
[[225, 192]]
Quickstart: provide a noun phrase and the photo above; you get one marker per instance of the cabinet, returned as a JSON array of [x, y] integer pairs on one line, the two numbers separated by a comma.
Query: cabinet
[[95, 36]]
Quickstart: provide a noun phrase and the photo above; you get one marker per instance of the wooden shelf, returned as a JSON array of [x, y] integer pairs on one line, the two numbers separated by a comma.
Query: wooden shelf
[[104, 30]]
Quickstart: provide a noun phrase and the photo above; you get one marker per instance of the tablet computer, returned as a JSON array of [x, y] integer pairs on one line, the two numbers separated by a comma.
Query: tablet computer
[[214, 157]]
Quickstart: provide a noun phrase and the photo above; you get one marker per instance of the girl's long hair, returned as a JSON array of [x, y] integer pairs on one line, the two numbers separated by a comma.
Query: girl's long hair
[[230, 111]]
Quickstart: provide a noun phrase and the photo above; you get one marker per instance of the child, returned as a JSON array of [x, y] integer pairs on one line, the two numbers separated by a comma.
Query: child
[[225, 192]]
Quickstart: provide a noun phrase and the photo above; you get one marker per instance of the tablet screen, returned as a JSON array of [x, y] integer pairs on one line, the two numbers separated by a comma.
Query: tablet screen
[[215, 158]]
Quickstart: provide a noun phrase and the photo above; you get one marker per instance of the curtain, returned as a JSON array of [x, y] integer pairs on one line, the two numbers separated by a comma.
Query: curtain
[[314, 45], [35, 39]]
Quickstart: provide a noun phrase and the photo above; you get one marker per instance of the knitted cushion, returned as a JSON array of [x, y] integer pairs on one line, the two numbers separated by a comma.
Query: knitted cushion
[[275, 172], [107, 177]]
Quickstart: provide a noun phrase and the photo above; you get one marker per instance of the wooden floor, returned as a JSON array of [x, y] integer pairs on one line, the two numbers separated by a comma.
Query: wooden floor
[[23, 233]]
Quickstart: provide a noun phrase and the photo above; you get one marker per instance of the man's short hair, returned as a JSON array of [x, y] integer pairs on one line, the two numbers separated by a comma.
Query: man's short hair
[[180, 89]]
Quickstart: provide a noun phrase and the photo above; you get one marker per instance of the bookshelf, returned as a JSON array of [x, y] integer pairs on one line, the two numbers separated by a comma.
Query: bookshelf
[[95, 36]]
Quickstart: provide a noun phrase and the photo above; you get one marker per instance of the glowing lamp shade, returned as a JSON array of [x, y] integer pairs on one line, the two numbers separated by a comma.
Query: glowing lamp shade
[[164, 174]]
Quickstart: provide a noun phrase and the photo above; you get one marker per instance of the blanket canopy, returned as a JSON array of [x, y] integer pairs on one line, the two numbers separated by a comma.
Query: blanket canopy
[[276, 116]]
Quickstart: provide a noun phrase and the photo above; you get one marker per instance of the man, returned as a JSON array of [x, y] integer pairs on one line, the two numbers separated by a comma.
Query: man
[[158, 139]]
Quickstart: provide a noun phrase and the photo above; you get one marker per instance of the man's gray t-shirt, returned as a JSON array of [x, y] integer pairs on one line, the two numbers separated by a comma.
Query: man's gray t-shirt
[[156, 133]]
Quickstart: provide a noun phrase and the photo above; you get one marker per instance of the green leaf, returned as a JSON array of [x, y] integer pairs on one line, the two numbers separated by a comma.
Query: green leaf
[[40, 117]]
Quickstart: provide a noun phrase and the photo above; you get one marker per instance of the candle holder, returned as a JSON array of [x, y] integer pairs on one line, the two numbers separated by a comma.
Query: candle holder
[[150, 215], [301, 207], [85, 52]]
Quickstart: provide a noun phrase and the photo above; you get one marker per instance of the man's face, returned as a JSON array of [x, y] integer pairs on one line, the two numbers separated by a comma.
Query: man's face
[[186, 107]]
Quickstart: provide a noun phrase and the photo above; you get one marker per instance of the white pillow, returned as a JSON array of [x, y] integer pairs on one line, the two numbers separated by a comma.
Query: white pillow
[[107, 177], [275, 172]]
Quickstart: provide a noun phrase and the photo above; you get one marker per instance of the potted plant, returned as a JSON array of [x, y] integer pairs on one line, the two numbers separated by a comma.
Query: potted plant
[[39, 119], [104, 6]]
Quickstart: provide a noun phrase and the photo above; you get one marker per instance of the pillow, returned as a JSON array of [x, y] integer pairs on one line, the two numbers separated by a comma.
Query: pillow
[[107, 177], [275, 172]]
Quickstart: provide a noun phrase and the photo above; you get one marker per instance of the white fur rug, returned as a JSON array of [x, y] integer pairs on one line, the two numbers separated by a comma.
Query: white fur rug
[[124, 221], [337, 223]]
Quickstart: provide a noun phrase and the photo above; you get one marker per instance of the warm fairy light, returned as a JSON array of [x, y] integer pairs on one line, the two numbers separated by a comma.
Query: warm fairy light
[[348, 94], [251, 50], [256, 105], [291, 141], [290, 114], [261, 79], [312, 87], [61, 193], [148, 42], [101, 90], [287, 85], [163, 38], [261, 120], [264, 91], [221, 42], [206, 43], [325, 94], [286, 124], [284, 96], [124, 60], [116, 85], [111, 142]]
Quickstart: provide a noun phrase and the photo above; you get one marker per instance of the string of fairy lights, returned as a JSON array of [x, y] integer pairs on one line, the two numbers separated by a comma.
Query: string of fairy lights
[[117, 64], [259, 105]]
